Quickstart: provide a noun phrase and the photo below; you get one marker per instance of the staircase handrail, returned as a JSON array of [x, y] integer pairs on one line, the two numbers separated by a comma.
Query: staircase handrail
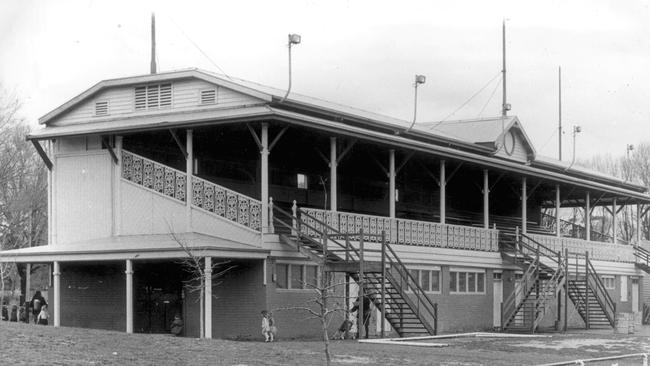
[[510, 305], [330, 231], [601, 291], [539, 246], [642, 254], [411, 282], [550, 285]]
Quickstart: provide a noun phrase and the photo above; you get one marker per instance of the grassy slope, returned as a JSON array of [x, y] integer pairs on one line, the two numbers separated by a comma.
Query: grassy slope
[[30, 344]]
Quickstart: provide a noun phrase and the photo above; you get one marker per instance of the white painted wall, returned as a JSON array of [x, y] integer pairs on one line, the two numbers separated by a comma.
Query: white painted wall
[[82, 198]]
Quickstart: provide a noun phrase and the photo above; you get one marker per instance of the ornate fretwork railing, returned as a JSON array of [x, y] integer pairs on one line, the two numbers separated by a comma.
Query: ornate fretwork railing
[[597, 250], [150, 174], [226, 203], [407, 232], [208, 196]]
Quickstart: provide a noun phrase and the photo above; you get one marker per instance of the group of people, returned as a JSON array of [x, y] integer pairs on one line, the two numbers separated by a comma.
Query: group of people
[[38, 306], [269, 328]]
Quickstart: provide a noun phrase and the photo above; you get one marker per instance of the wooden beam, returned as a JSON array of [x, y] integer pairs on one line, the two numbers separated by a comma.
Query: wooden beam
[[255, 137], [497, 181], [530, 193], [345, 151], [108, 147], [645, 211], [597, 200], [179, 143], [42, 154], [428, 171], [277, 137], [320, 153], [453, 172], [406, 159], [381, 166]]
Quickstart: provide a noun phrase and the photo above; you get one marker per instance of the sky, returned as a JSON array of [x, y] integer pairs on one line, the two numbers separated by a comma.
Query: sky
[[363, 54]]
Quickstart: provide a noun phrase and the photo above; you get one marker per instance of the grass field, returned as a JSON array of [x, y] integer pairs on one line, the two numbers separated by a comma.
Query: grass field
[[25, 344]]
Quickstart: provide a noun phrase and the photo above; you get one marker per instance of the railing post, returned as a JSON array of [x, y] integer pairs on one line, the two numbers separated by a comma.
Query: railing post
[[566, 288], [435, 319], [271, 225], [294, 223], [362, 281], [587, 288], [383, 283]]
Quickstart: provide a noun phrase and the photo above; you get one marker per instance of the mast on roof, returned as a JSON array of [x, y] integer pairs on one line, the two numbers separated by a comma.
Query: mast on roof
[[559, 132], [153, 43], [505, 107]]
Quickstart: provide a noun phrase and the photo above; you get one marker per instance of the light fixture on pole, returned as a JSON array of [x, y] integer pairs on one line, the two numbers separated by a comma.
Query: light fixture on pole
[[576, 130], [293, 39], [629, 148], [419, 79]]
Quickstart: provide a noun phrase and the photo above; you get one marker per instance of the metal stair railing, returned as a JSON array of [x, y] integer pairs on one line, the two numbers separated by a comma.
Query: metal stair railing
[[510, 307], [550, 287], [423, 303], [642, 255], [594, 282]]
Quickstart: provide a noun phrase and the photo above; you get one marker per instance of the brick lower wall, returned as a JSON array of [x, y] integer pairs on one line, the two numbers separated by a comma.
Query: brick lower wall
[[93, 296]]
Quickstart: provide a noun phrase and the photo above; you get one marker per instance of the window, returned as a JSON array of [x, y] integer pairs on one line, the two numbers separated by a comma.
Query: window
[[623, 288], [429, 280], [608, 282], [467, 282], [153, 96], [208, 96], [302, 181], [101, 108], [295, 276]]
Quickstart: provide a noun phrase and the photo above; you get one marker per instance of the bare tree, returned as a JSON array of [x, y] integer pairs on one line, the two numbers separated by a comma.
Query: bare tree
[[194, 265], [323, 305], [23, 185]]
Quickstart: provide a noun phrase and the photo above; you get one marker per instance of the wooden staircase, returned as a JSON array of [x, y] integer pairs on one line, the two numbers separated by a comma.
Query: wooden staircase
[[384, 278], [546, 274]]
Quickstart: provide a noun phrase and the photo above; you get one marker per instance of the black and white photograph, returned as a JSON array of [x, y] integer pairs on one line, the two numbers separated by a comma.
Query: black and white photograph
[[344, 182]]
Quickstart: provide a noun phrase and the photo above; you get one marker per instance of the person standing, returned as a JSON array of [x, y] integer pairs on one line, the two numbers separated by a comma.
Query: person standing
[[43, 315], [366, 314], [38, 301]]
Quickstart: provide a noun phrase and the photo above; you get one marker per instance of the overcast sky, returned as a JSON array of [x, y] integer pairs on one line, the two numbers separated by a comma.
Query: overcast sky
[[360, 53]]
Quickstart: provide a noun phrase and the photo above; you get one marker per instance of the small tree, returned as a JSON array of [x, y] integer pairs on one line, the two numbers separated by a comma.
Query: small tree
[[194, 265]]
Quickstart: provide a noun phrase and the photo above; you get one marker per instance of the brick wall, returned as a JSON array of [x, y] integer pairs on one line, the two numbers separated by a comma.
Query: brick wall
[[93, 296]]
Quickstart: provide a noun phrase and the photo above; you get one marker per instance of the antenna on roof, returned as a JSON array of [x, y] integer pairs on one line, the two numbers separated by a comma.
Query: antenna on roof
[[559, 134], [153, 43], [505, 107]]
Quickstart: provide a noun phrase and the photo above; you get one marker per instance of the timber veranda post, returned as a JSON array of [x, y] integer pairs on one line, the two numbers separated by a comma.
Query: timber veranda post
[[360, 324], [587, 288], [383, 283], [566, 288]]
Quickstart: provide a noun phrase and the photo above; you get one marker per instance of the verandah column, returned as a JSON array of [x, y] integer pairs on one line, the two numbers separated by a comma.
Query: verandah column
[[443, 192], [638, 224], [56, 273], [486, 200], [333, 177], [587, 217], [391, 183], [558, 229], [614, 229], [264, 156], [117, 202], [524, 206], [208, 297], [189, 171], [129, 295]]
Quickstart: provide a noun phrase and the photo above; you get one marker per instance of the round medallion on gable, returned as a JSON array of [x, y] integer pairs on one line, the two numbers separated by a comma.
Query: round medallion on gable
[[509, 143]]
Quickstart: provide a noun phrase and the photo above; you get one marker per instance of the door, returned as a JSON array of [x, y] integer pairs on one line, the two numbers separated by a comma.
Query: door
[[635, 295], [497, 299], [519, 297]]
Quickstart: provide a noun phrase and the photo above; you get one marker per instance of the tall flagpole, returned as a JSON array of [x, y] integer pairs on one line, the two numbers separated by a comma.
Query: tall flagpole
[[504, 105], [559, 134]]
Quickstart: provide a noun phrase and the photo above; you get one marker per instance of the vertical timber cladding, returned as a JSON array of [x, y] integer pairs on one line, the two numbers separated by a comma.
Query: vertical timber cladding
[[93, 295]]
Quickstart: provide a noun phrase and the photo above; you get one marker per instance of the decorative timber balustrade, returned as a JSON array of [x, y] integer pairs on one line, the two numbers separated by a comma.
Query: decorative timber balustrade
[[597, 250], [206, 195], [402, 231]]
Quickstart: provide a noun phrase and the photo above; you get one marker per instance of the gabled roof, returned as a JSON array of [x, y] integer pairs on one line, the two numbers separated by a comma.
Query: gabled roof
[[487, 131]]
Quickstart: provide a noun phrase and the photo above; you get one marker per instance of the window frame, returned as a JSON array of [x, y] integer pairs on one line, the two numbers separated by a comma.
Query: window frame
[[609, 280], [418, 275], [289, 285], [456, 274]]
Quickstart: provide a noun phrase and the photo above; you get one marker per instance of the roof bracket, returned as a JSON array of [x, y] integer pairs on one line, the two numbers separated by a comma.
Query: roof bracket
[[277, 137], [406, 159], [179, 143], [530, 193], [106, 144], [42, 154], [453, 172], [255, 137], [345, 151]]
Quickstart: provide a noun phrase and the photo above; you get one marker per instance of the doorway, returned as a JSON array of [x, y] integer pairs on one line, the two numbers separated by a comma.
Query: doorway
[[497, 299], [158, 296]]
